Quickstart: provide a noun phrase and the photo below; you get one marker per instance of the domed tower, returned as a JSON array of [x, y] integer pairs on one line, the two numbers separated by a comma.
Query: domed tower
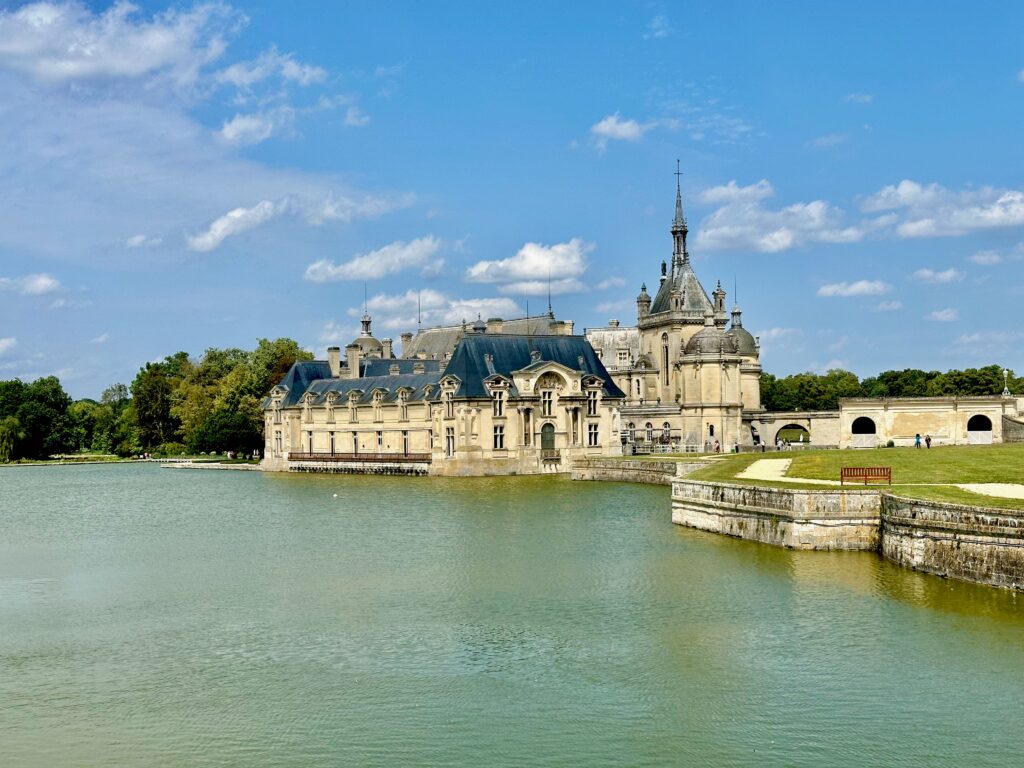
[[712, 382], [362, 347], [750, 361]]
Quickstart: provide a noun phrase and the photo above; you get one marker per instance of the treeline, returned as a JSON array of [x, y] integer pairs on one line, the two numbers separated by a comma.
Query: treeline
[[822, 392], [177, 405]]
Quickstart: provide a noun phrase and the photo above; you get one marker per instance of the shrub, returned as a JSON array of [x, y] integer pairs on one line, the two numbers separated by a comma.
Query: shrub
[[890, 444]]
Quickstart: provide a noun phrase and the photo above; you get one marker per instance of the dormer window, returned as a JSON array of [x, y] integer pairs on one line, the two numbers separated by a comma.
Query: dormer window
[[353, 408], [449, 405], [378, 413], [498, 403], [592, 397], [307, 411], [331, 398], [403, 405]]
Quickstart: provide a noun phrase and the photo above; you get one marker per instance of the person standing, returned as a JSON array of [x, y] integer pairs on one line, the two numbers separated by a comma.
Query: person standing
[[917, 440], [928, 441]]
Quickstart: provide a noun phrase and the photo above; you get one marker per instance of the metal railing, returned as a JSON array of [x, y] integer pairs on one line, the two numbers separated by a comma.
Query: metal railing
[[401, 458]]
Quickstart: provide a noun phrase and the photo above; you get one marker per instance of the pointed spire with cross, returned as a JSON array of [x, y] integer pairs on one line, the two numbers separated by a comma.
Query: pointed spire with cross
[[679, 230]]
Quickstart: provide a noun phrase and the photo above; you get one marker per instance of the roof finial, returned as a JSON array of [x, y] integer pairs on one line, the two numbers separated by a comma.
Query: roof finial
[[419, 309], [679, 254], [550, 313], [679, 220]]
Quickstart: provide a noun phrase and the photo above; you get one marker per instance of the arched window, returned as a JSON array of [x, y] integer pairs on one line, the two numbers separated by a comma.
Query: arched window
[[547, 437], [666, 432], [979, 423], [862, 425], [631, 432]]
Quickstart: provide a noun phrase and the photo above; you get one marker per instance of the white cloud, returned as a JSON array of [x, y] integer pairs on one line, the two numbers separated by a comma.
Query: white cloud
[[533, 265], [234, 222], [257, 127], [60, 42], [950, 275], [142, 241], [988, 344], [610, 282], [392, 258], [614, 128], [828, 140], [858, 98], [887, 306], [856, 288], [943, 315], [934, 211], [30, 285], [7, 343], [101, 339], [838, 344], [734, 193], [335, 334], [743, 222], [609, 307], [245, 74], [658, 27], [355, 117], [985, 258]]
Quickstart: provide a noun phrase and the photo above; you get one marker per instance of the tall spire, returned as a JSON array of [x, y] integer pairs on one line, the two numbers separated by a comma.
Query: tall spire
[[679, 254], [550, 313], [365, 322]]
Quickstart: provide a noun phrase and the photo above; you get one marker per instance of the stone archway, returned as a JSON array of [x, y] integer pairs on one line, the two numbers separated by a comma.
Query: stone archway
[[864, 433], [794, 434], [979, 430], [547, 437]]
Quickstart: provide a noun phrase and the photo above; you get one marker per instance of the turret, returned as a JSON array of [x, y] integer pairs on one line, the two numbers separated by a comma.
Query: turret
[[718, 298], [643, 303]]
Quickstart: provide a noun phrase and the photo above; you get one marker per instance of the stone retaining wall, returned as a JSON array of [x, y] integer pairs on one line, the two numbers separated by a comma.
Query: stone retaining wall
[[1013, 430], [632, 470], [831, 519], [960, 542]]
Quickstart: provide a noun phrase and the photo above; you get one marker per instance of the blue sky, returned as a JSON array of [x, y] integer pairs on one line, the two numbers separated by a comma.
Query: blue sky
[[178, 177]]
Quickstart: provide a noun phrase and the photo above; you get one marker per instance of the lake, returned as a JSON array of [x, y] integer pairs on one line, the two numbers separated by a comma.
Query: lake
[[166, 617]]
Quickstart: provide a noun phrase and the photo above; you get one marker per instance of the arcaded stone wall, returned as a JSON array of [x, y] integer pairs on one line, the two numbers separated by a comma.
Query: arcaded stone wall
[[830, 519], [960, 542], [632, 470]]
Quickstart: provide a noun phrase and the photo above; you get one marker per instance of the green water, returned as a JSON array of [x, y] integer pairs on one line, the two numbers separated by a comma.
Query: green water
[[154, 617]]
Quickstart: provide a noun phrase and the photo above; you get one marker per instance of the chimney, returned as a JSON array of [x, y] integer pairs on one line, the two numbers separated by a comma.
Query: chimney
[[387, 343], [334, 361], [419, 368], [406, 342], [494, 324], [613, 323], [393, 369], [352, 356]]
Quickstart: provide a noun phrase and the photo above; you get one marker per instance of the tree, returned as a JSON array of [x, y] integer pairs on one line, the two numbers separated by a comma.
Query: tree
[[152, 395], [10, 434], [227, 431]]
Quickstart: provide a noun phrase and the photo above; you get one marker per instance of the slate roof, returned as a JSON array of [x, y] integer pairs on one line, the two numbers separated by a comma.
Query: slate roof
[[695, 298], [509, 353], [374, 366], [424, 386], [437, 343], [300, 376]]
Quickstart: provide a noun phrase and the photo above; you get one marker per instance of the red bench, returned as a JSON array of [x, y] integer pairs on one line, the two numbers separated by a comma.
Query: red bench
[[866, 474]]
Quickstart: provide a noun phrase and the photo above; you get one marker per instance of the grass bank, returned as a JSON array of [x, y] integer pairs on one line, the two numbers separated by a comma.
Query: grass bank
[[916, 472]]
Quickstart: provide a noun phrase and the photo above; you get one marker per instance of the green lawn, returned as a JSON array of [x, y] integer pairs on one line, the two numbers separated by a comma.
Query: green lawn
[[940, 467]]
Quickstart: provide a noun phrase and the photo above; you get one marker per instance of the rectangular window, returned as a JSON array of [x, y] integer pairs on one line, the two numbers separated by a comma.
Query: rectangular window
[[405, 442], [592, 403], [278, 443], [623, 357], [498, 404], [353, 412], [355, 442], [449, 441], [547, 400], [380, 442], [592, 435], [310, 441], [332, 443], [330, 411], [499, 437], [449, 405], [527, 429], [403, 409]]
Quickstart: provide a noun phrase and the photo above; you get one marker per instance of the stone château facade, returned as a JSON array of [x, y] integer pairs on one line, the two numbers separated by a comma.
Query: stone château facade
[[474, 400]]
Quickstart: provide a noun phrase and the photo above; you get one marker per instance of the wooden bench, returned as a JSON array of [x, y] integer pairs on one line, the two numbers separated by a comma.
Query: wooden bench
[[866, 474]]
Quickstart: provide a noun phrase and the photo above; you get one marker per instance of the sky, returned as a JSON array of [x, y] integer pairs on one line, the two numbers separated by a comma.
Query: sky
[[177, 177]]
